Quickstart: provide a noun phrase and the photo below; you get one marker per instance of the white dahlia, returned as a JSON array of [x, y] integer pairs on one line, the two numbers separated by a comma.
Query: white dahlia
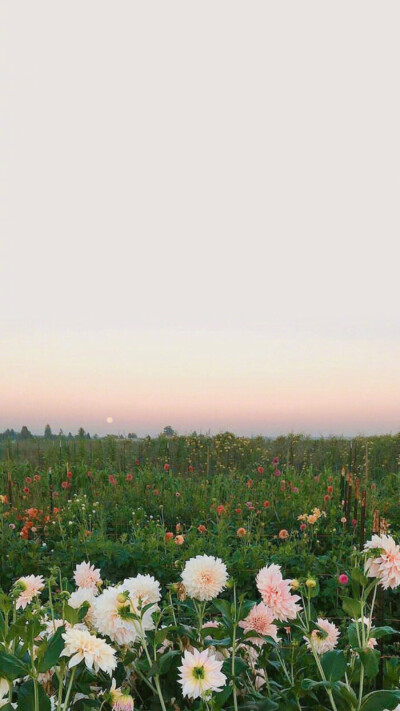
[[81, 596], [200, 674], [81, 645], [204, 577], [144, 588], [117, 615]]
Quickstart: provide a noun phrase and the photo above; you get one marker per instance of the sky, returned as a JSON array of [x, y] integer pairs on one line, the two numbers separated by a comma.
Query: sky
[[199, 216]]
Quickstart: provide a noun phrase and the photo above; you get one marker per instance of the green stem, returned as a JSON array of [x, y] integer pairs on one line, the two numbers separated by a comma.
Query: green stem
[[235, 701], [323, 677], [69, 689], [36, 693]]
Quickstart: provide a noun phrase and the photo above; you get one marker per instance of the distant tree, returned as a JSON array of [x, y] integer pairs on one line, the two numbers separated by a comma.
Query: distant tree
[[81, 433], [47, 432], [61, 433], [87, 435], [25, 434], [168, 431], [132, 435], [70, 435]]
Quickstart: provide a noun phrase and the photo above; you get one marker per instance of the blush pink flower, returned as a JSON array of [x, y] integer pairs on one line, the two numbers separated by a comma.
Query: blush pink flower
[[275, 592], [324, 639], [260, 619], [386, 565], [28, 587], [87, 576]]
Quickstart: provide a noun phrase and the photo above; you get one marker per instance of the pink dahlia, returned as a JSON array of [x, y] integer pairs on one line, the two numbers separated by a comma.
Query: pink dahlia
[[386, 565], [87, 576], [324, 639], [260, 619], [28, 587], [275, 592]]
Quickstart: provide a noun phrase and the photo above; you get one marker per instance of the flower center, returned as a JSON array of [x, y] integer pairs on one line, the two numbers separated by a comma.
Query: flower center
[[198, 672]]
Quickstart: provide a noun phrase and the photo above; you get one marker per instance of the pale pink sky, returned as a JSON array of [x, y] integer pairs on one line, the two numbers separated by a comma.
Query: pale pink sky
[[199, 210]]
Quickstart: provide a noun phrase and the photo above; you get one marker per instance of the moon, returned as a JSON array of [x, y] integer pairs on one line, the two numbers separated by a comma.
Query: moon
[[110, 420]]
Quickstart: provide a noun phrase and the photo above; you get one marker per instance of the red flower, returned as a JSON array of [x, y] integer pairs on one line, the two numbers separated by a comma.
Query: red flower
[[330, 489], [156, 492], [169, 535], [260, 470], [266, 504], [191, 469], [129, 477], [137, 462], [36, 477], [166, 467], [343, 579], [112, 479], [303, 526], [238, 511], [327, 497], [249, 483], [26, 490], [275, 460], [69, 475], [64, 484], [201, 528], [28, 480], [220, 509]]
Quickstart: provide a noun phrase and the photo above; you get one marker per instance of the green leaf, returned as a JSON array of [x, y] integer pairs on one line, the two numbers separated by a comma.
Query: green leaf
[[225, 642], [224, 607], [71, 615], [370, 661], [352, 607], [12, 667], [357, 575], [352, 635], [380, 700], [26, 698], [334, 665], [54, 648], [379, 632], [219, 699], [239, 666], [162, 633]]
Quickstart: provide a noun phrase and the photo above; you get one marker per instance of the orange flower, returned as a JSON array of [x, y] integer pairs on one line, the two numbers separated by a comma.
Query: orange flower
[[201, 528], [283, 534], [179, 540], [241, 532], [169, 535], [178, 527]]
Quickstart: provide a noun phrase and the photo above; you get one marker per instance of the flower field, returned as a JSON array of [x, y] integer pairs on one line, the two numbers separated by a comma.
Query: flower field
[[191, 573]]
